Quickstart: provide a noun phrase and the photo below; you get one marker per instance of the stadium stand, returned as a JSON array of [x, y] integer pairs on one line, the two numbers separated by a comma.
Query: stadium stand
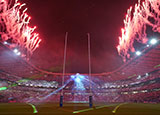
[[139, 77]]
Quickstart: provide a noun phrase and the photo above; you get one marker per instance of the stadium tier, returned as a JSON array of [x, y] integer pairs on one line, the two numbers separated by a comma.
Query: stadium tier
[[135, 81]]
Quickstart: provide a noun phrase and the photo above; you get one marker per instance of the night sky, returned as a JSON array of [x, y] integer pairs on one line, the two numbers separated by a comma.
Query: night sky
[[103, 19]]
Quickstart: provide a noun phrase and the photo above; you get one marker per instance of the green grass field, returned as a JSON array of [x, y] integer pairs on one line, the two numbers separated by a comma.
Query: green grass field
[[82, 109]]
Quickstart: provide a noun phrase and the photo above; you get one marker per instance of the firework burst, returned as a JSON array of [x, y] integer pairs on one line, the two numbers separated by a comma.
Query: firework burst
[[14, 27], [143, 14]]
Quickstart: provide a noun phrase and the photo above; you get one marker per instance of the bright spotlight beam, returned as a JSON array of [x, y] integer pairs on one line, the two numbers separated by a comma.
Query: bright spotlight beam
[[78, 81]]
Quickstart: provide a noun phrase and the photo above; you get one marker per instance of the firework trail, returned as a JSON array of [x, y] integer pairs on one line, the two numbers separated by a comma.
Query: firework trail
[[146, 13], [14, 26]]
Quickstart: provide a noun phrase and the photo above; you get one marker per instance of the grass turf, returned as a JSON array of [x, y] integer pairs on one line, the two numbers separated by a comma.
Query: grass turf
[[82, 109]]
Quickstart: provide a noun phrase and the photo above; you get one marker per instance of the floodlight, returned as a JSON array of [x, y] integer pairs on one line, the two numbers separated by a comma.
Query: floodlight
[[148, 45], [15, 50], [153, 41], [5, 43], [138, 53], [19, 53]]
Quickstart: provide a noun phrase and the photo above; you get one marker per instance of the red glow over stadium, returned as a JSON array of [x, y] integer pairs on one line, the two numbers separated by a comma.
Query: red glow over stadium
[[34, 81]]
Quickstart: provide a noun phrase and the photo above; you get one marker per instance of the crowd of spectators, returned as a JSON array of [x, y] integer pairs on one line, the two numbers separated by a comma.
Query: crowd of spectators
[[146, 92], [142, 88]]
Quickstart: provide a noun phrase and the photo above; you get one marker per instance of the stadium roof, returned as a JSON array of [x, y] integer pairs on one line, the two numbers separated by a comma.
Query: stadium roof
[[147, 62]]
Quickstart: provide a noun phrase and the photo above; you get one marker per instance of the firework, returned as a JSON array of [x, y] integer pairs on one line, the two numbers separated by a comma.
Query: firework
[[143, 14], [14, 26]]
